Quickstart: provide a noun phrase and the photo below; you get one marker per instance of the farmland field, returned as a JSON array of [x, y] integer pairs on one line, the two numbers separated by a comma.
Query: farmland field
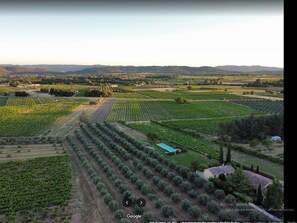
[[129, 95], [190, 95], [29, 120], [169, 110], [3, 101], [29, 151], [263, 105], [119, 166], [36, 190], [206, 126]]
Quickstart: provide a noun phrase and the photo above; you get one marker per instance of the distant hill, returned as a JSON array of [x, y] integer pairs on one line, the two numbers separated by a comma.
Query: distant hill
[[252, 69], [61, 68], [3, 71], [16, 69], [156, 70]]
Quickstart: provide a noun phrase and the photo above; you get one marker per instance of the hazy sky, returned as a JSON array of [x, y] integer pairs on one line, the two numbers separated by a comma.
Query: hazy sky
[[183, 36]]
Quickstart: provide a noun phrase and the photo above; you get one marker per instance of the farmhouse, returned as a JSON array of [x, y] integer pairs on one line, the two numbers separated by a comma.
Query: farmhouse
[[256, 179], [214, 172], [276, 139]]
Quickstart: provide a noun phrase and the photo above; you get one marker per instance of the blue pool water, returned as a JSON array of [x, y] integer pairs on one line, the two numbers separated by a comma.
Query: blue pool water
[[166, 147]]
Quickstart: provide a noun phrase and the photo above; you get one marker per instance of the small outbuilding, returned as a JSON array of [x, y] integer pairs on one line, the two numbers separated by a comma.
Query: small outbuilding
[[276, 139], [214, 172]]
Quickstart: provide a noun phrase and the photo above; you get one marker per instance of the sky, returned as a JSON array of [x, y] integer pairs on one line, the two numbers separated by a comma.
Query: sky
[[148, 34]]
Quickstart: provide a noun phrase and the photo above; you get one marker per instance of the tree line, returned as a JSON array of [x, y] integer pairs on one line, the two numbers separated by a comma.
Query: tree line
[[246, 129]]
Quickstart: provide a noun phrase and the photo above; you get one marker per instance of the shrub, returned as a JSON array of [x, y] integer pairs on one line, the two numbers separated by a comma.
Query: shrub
[[202, 166], [213, 207], [230, 199], [219, 194], [192, 193], [156, 179], [186, 204], [203, 199], [209, 187], [152, 197], [138, 210], [119, 214], [113, 205], [107, 198], [199, 181], [145, 189], [243, 210], [205, 217], [226, 216], [255, 216], [159, 203], [176, 197], [170, 176], [194, 211], [124, 220], [167, 211], [147, 217], [169, 190], [177, 180], [185, 186]]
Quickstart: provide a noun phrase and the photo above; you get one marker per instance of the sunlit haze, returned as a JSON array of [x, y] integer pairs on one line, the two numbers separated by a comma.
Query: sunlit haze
[[142, 39]]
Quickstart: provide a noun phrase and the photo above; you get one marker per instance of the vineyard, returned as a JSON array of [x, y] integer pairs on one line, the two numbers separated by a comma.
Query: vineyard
[[206, 126], [119, 166], [28, 101], [30, 120], [190, 95], [108, 87], [263, 105], [35, 190], [169, 110], [130, 95]]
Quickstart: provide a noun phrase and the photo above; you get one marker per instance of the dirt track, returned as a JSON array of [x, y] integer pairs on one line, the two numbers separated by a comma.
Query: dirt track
[[101, 114]]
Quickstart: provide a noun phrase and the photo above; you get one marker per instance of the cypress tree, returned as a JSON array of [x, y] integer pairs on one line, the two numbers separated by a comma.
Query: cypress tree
[[228, 157], [259, 195], [252, 167], [257, 170], [221, 158]]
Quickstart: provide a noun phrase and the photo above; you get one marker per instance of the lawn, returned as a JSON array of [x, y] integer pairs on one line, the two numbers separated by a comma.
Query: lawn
[[186, 158], [274, 169], [198, 144]]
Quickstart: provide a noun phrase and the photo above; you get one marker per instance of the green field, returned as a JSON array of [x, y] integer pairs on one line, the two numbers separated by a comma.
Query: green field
[[190, 95], [206, 126], [198, 144], [263, 105], [30, 120], [29, 188], [3, 101], [129, 95], [169, 110], [186, 158]]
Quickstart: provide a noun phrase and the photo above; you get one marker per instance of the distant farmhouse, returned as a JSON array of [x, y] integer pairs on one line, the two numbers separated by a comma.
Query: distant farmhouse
[[256, 179], [214, 172]]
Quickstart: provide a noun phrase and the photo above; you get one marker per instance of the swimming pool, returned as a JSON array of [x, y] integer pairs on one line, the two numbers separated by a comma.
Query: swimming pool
[[166, 147]]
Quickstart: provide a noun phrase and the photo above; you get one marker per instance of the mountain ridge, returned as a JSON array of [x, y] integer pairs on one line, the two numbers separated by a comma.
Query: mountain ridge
[[8, 69]]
